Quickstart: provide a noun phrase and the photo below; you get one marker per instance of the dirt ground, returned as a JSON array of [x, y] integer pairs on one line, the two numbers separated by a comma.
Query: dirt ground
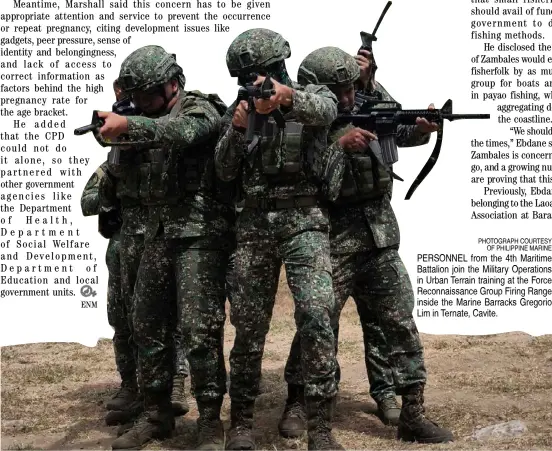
[[53, 394]]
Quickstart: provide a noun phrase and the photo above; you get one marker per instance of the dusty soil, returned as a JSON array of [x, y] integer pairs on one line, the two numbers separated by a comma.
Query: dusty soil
[[53, 394]]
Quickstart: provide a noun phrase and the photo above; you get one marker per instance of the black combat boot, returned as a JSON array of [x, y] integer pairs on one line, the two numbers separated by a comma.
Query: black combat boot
[[155, 422], [413, 425], [210, 432], [178, 398], [319, 423], [240, 435], [292, 423], [125, 396], [388, 411]]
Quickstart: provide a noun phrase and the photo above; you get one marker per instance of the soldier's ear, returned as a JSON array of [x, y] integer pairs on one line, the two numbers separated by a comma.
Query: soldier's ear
[[174, 85]]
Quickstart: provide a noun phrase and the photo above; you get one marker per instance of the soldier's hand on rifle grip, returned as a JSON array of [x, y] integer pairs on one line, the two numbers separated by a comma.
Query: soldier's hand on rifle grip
[[239, 120], [424, 126], [283, 95], [364, 61], [114, 125], [356, 140]]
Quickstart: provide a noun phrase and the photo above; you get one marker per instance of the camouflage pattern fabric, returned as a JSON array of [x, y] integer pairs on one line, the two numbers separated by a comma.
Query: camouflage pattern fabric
[[329, 66], [90, 199], [131, 249], [384, 299], [117, 315], [257, 47], [304, 251], [364, 244], [313, 106], [199, 275], [181, 278], [193, 122], [148, 67], [230, 276], [266, 238], [116, 307]]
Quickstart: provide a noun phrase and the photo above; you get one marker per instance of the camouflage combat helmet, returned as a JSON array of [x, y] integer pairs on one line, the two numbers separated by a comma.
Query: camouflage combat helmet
[[147, 67], [328, 66], [256, 48]]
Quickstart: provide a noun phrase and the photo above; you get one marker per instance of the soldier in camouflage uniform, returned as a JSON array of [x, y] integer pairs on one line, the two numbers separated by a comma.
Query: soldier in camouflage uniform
[[364, 242], [283, 220], [181, 277], [123, 192], [98, 199], [109, 226]]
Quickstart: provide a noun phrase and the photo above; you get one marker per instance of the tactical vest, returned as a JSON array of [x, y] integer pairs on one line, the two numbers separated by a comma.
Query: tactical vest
[[167, 177]]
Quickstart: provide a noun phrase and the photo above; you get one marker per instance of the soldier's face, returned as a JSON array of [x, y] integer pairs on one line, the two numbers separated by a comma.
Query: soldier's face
[[346, 97], [154, 100]]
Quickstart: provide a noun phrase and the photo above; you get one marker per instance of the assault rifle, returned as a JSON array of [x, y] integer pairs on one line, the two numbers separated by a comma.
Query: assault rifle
[[123, 107], [249, 92], [384, 122]]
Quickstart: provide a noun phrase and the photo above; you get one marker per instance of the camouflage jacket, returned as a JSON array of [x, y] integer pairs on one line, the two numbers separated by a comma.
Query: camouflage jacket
[[98, 198], [190, 129], [90, 199], [357, 228], [313, 106]]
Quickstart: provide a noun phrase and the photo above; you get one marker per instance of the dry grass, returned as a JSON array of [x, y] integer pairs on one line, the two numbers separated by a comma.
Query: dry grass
[[53, 394]]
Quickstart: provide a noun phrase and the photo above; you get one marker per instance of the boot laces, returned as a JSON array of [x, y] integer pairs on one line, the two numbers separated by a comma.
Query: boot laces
[[389, 404], [141, 425], [324, 438], [178, 387], [296, 410]]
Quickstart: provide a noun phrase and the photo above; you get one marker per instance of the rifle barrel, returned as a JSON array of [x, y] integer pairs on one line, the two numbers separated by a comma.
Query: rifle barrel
[[453, 117], [82, 130]]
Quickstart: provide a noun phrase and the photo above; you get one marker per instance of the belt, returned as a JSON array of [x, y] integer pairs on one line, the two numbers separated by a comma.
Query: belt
[[279, 204]]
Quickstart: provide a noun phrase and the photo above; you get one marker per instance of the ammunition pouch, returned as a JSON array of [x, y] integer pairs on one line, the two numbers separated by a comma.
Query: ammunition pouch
[[109, 223], [128, 186], [190, 173], [281, 149], [364, 178]]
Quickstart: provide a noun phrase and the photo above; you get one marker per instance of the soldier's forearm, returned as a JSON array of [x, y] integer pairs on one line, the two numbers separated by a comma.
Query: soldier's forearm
[[229, 154], [411, 136], [314, 109]]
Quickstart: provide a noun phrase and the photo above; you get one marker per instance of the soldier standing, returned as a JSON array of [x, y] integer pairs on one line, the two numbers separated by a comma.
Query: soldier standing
[[283, 220], [364, 242], [188, 228], [109, 227]]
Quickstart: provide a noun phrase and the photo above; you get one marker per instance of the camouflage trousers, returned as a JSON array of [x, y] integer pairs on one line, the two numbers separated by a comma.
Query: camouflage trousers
[[381, 288], [179, 285], [230, 276], [308, 270], [117, 313]]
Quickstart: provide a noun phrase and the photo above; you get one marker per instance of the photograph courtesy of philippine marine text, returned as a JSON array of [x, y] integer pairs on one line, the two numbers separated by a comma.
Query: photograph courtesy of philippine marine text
[[239, 225]]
